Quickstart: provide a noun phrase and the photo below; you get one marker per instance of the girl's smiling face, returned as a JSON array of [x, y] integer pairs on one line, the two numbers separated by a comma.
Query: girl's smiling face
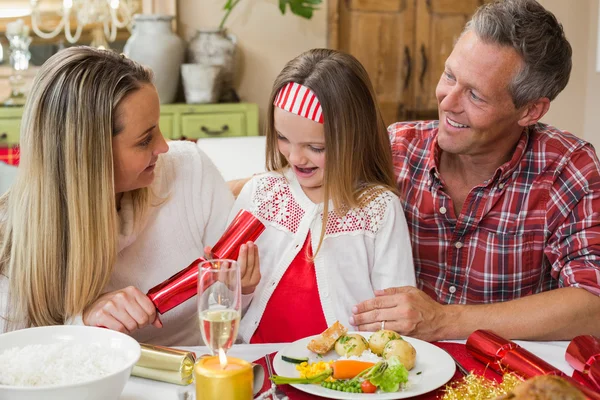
[[302, 142]]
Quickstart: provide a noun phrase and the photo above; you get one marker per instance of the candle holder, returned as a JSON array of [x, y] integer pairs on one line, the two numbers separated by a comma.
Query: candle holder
[[19, 40], [221, 377]]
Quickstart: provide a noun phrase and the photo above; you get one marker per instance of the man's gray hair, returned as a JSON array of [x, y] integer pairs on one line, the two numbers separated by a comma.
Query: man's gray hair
[[537, 36]]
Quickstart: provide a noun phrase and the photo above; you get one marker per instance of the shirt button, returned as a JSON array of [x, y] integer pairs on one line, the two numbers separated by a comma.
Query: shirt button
[[273, 283], [443, 210], [458, 245], [501, 186], [452, 289], [255, 322]]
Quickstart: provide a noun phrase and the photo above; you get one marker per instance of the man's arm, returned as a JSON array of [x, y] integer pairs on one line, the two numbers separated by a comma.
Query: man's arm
[[559, 314]]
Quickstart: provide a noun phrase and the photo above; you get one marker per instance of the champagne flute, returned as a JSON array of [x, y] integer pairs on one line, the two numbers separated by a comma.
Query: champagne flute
[[219, 303]]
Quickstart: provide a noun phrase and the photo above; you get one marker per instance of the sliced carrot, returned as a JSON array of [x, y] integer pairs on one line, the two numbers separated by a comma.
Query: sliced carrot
[[348, 369]]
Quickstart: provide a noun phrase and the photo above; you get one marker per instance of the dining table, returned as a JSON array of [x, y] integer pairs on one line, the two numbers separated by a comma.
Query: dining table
[[137, 388]]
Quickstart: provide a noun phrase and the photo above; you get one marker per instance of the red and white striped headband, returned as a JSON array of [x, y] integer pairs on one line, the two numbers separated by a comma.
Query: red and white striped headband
[[299, 100]]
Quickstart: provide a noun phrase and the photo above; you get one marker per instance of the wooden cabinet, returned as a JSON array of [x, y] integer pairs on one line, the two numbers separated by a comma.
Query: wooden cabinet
[[403, 45], [177, 121]]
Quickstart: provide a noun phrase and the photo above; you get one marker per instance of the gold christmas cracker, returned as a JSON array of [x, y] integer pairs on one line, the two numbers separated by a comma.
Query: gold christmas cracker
[[165, 364]]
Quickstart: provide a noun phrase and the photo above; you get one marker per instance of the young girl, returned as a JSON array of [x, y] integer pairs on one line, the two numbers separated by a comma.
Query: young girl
[[335, 230]]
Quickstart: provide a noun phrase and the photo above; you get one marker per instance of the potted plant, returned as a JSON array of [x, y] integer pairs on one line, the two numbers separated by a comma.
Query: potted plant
[[217, 48], [302, 8]]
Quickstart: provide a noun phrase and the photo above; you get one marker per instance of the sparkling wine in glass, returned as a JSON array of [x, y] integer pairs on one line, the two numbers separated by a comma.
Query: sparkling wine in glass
[[219, 303]]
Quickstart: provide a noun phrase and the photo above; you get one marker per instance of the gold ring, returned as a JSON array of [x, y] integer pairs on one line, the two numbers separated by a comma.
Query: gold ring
[[382, 325]]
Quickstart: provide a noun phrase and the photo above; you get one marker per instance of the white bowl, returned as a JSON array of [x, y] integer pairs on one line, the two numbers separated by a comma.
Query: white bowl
[[107, 387]]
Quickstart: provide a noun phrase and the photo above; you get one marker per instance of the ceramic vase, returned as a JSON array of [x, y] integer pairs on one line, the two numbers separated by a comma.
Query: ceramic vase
[[154, 45], [214, 47]]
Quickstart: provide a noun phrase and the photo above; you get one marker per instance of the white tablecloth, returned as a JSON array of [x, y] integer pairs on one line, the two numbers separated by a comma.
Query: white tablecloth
[[139, 388]]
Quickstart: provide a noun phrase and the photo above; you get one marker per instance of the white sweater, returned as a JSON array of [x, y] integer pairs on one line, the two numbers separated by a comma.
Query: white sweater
[[172, 236], [368, 249]]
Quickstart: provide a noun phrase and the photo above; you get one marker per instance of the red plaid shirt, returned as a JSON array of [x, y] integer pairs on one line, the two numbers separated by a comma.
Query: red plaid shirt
[[9, 155], [534, 226]]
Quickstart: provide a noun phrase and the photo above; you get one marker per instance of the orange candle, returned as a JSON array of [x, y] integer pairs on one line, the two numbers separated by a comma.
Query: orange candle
[[216, 380]]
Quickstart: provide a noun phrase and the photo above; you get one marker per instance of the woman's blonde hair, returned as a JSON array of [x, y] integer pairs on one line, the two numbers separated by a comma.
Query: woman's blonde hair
[[59, 224], [357, 147]]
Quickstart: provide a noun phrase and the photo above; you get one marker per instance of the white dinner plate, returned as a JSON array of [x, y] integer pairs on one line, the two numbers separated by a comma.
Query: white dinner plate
[[433, 368]]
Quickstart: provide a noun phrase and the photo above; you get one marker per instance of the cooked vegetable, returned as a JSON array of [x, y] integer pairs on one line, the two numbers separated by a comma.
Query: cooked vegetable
[[379, 339], [351, 345], [313, 369], [368, 387], [348, 369], [405, 352], [281, 380], [389, 376], [294, 360], [343, 386]]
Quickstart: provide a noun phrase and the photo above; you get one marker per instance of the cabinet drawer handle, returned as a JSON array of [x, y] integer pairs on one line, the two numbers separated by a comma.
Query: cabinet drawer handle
[[3, 136], [224, 128], [407, 66], [425, 63]]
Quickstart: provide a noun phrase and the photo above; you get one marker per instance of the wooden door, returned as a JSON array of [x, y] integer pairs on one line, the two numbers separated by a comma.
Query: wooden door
[[439, 24], [380, 34]]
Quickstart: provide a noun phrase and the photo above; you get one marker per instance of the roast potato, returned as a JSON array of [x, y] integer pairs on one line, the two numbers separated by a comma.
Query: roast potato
[[379, 339], [351, 345], [400, 348]]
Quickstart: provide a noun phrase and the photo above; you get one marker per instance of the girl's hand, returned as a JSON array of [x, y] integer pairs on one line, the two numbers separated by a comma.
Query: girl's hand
[[249, 267], [123, 310]]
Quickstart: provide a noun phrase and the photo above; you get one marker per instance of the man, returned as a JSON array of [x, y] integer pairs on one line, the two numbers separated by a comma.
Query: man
[[503, 210]]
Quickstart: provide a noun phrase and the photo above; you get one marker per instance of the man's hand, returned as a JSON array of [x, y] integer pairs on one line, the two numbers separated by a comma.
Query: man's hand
[[406, 310], [124, 310]]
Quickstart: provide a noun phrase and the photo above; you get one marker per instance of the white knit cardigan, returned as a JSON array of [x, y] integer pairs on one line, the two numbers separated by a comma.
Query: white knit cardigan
[[365, 250]]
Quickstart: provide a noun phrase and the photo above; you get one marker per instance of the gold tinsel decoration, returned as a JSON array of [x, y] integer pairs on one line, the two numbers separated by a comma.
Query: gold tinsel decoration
[[475, 387]]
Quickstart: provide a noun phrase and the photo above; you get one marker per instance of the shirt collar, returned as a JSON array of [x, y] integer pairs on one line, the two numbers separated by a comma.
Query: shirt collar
[[501, 174], [506, 169]]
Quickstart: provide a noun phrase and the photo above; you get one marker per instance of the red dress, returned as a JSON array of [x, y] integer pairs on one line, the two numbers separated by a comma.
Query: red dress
[[294, 310]]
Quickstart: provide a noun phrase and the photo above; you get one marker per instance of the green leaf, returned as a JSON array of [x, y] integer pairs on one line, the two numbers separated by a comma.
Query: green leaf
[[392, 377], [302, 8]]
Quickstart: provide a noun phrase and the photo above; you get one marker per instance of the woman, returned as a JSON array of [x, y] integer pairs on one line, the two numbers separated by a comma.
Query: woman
[[100, 212]]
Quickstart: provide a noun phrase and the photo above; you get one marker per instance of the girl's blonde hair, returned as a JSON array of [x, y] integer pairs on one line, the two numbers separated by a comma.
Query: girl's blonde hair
[[358, 163], [58, 221]]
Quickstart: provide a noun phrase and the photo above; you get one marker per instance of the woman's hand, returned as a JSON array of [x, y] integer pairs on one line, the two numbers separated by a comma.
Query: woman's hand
[[249, 265], [123, 310]]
